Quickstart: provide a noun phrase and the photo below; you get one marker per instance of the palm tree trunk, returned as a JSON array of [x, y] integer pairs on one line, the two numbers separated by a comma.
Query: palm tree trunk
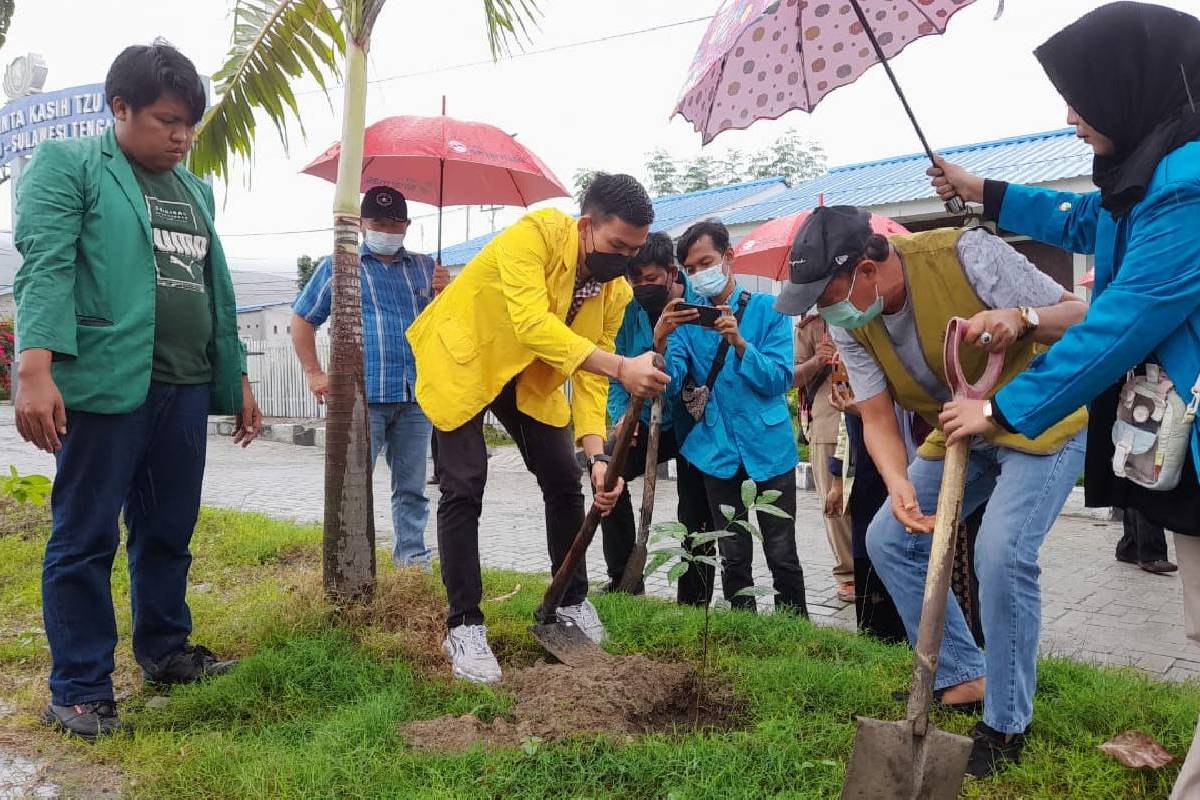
[[349, 543]]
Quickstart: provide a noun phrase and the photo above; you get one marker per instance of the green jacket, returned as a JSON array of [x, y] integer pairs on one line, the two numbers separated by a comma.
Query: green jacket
[[86, 289]]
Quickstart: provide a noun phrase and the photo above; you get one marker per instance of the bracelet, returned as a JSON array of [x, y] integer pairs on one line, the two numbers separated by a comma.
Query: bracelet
[[620, 364]]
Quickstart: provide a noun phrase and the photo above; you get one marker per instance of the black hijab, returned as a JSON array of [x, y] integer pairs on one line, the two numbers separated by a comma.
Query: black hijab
[[1132, 72]]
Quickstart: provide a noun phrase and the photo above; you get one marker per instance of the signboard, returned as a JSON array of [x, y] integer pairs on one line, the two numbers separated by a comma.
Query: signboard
[[66, 114]]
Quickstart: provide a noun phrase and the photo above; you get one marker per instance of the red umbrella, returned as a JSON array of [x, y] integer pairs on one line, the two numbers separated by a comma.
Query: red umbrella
[[765, 249], [444, 161]]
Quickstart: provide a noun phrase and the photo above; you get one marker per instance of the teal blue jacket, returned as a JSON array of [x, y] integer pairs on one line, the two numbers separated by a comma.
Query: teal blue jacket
[[86, 288], [636, 336], [747, 422], [1145, 301]]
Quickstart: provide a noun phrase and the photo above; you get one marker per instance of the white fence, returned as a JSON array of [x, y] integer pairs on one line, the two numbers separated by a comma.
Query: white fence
[[278, 379]]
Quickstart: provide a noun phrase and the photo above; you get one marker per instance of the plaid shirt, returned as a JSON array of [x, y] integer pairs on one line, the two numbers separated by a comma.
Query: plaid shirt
[[393, 294], [584, 289]]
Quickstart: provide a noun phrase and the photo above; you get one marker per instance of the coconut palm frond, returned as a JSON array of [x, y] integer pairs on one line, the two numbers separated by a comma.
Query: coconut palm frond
[[508, 23], [273, 43]]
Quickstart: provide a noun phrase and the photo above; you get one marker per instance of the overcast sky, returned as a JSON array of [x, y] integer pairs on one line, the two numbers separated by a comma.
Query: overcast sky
[[598, 105]]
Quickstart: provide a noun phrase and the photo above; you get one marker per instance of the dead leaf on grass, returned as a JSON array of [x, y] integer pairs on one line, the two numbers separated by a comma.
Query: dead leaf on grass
[[1137, 750]]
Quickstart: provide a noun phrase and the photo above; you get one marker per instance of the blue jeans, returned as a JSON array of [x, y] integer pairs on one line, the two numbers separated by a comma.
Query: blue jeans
[[1024, 494], [149, 462], [405, 431]]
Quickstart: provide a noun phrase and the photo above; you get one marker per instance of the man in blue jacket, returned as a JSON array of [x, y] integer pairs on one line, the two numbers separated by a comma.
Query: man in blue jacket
[[745, 431], [656, 281]]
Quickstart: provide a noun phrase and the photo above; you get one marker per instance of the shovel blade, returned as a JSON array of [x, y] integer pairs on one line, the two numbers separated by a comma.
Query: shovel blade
[[890, 762], [568, 644]]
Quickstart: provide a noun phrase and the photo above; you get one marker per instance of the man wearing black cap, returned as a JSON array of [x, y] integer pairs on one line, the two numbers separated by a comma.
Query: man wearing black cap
[[396, 286], [888, 302]]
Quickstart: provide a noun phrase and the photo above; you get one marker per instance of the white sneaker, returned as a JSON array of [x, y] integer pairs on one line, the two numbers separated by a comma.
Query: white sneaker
[[584, 617], [470, 655]]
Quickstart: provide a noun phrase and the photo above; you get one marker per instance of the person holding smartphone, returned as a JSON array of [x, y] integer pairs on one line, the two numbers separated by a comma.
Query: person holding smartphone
[[737, 372]]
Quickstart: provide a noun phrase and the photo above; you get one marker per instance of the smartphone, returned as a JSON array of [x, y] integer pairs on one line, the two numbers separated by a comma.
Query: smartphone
[[708, 314]]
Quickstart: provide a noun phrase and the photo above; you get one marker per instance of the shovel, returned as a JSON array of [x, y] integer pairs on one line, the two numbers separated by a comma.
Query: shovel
[[564, 641], [632, 575], [911, 759]]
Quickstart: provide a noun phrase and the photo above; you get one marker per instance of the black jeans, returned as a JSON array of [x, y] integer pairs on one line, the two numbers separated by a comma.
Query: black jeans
[[1143, 541], [779, 542], [620, 527], [462, 466]]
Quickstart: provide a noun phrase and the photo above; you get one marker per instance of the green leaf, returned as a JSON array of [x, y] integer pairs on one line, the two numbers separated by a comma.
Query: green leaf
[[769, 496], [677, 571], [507, 23], [655, 563], [728, 512], [704, 537], [712, 561], [673, 530], [749, 492], [774, 511], [754, 591]]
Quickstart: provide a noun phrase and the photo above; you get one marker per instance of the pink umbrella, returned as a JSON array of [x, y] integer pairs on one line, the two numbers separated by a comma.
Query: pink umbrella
[[760, 59], [444, 161], [765, 249]]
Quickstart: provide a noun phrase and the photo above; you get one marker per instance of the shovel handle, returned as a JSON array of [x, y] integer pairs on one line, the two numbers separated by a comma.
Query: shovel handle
[[956, 331], [632, 573], [945, 529], [547, 612]]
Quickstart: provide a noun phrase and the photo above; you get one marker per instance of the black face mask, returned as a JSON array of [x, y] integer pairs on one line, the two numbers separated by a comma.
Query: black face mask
[[606, 267], [653, 298]]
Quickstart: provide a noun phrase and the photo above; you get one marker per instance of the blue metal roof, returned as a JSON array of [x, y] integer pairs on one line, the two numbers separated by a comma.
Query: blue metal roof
[[261, 306], [1031, 158], [669, 211]]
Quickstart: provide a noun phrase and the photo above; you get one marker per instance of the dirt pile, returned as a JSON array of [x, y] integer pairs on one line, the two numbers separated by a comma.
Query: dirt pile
[[624, 695]]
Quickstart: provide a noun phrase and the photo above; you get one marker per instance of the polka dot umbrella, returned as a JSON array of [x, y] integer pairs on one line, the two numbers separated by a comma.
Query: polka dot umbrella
[[760, 59]]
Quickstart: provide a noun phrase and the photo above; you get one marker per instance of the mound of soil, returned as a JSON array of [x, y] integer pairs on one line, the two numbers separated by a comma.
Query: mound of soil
[[625, 695]]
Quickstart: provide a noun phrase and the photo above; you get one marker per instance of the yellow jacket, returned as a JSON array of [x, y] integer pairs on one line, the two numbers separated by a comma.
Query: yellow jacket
[[504, 315]]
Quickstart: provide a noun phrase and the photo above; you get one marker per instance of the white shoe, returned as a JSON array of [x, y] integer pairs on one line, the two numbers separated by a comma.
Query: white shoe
[[584, 617], [470, 655]]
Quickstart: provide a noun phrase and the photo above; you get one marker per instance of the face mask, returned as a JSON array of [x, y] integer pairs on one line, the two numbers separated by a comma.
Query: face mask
[[653, 298], [383, 244], [846, 315], [606, 267], [710, 282]]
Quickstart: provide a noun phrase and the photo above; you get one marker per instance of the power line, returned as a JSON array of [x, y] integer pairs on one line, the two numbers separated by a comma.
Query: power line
[[525, 53]]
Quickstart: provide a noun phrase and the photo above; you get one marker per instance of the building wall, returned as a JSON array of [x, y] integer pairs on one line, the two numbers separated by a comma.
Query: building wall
[[273, 323]]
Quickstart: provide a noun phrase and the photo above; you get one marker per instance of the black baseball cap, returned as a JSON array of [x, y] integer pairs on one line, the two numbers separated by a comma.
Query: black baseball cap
[[831, 240], [384, 202]]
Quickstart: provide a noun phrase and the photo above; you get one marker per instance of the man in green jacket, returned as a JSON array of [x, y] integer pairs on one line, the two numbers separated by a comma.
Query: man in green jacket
[[128, 334]]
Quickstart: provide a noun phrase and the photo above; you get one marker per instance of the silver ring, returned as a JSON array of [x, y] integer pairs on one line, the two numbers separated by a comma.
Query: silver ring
[[985, 338]]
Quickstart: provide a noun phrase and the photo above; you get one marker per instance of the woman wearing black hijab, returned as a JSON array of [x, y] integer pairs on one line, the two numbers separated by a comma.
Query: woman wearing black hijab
[[1130, 74]]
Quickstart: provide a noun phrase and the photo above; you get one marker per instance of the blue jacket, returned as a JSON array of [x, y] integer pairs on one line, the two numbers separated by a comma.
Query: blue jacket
[[747, 422], [636, 336], [1151, 306]]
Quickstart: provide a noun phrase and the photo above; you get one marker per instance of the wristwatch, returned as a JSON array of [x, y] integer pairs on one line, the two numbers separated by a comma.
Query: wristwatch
[[1029, 318], [598, 458], [988, 414]]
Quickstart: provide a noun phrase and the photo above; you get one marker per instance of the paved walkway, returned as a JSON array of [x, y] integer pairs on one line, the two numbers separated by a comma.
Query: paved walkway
[[1096, 609]]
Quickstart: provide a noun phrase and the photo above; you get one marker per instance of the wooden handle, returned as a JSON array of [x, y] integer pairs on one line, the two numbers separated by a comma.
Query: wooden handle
[[547, 612], [937, 585], [650, 479]]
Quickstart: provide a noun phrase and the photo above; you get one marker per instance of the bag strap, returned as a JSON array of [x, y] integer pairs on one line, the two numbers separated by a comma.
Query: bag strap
[[723, 348], [810, 388]]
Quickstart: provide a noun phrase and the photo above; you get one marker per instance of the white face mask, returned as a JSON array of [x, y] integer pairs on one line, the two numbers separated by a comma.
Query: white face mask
[[710, 282], [383, 244]]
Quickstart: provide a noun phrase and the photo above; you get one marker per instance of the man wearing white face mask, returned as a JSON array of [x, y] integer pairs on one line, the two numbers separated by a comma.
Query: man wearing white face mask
[[397, 285]]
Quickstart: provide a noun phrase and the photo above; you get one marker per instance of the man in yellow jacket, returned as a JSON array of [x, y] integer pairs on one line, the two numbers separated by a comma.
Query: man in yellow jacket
[[540, 305]]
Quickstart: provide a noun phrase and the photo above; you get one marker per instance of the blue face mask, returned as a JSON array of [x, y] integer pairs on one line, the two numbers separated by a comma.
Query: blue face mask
[[710, 282], [846, 315]]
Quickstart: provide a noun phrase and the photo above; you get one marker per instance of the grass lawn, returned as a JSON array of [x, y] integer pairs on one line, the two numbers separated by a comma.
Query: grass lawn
[[315, 709]]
